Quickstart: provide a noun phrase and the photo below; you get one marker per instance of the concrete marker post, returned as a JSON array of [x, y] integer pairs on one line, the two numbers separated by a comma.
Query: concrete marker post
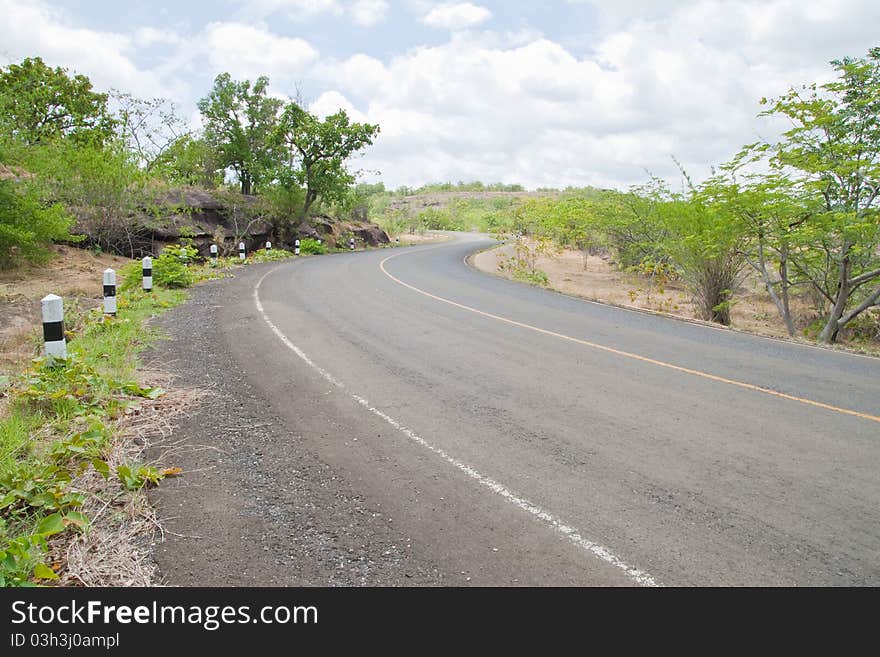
[[296, 247], [147, 268], [268, 246], [213, 250], [241, 250], [53, 327], [110, 292]]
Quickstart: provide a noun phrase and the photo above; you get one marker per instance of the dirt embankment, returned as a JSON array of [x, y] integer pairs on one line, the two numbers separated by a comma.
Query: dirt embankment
[[73, 274]]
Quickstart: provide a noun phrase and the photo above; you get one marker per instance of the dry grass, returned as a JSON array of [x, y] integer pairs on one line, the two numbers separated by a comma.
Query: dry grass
[[115, 550]]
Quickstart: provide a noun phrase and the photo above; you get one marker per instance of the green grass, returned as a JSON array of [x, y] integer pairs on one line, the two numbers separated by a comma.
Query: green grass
[[60, 422], [15, 434]]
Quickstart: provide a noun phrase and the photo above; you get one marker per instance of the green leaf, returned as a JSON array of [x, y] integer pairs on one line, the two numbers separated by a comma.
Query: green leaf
[[52, 524], [153, 393], [128, 479], [76, 518], [9, 499], [42, 571], [101, 467]]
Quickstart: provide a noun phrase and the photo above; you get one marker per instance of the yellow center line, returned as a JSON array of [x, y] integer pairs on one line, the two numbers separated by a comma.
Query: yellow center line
[[627, 354]]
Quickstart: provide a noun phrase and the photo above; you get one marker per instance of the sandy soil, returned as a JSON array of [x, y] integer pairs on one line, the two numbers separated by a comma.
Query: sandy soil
[[74, 274], [599, 280]]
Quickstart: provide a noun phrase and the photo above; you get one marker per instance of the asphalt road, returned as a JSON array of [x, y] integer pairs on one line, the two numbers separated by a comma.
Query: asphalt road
[[519, 436]]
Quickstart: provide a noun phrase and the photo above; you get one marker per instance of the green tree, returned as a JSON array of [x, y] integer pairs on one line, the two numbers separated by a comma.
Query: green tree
[[833, 154], [571, 221], [38, 103], [772, 211], [239, 121], [317, 152], [702, 245], [148, 127], [631, 224], [189, 160]]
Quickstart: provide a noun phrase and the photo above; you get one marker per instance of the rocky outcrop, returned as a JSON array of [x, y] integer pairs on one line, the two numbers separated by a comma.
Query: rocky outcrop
[[224, 219], [204, 217], [338, 233]]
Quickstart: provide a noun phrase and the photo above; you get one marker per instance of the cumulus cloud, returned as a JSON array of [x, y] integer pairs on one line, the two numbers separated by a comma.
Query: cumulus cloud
[[248, 51], [456, 16], [146, 37], [331, 102], [683, 82], [368, 12], [31, 29], [365, 13], [297, 10]]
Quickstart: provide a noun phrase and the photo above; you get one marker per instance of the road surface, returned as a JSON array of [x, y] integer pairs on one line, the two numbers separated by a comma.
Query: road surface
[[525, 437]]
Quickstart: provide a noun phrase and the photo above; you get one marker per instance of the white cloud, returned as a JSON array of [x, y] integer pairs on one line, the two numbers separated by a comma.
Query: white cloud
[[685, 81], [248, 51], [456, 16], [331, 102], [297, 10], [362, 12], [145, 37], [368, 12], [31, 29]]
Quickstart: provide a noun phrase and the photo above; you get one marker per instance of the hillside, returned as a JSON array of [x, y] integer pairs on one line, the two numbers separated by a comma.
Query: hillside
[[415, 203]]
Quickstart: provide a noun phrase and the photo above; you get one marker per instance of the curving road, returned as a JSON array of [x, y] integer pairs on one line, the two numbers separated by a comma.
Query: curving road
[[525, 437]]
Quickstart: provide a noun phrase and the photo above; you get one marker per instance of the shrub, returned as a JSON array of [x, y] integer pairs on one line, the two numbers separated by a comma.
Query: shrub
[[270, 255], [312, 247], [28, 226], [130, 277], [170, 270]]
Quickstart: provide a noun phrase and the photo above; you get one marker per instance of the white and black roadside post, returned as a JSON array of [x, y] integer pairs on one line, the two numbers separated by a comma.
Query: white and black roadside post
[[296, 247], [351, 243], [320, 242], [110, 292], [241, 250], [268, 246], [147, 268], [397, 239], [213, 255], [53, 327]]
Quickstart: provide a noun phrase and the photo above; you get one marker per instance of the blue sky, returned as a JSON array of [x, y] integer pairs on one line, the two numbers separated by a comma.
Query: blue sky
[[573, 92]]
